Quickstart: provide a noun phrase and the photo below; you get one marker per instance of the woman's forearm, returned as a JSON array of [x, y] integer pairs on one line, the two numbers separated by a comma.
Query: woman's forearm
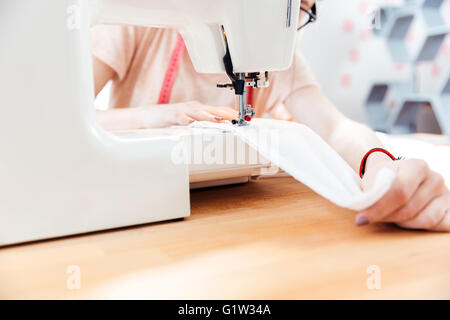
[[349, 138], [352, 140]]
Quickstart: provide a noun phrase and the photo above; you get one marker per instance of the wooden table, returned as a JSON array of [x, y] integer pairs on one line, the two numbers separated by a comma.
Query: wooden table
[[272, 238]]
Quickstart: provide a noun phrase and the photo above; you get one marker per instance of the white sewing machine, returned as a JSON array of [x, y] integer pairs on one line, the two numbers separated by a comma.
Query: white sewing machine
[[60, 174]]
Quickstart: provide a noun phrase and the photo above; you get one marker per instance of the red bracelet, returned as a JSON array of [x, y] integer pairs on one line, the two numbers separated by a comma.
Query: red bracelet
[[362, 166]]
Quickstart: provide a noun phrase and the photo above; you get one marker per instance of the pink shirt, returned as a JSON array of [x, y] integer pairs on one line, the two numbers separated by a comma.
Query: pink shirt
[[140, 55]]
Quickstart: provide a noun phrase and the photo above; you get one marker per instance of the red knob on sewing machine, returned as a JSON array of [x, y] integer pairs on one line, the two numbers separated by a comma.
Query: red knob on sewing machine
[[248, 118]]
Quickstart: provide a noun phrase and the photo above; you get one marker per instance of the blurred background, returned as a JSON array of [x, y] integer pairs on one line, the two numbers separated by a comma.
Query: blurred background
[[382, 62], [349, 53]]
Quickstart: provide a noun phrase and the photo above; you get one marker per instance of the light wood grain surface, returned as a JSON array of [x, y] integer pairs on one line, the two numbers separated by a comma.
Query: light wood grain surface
[[272, 238]]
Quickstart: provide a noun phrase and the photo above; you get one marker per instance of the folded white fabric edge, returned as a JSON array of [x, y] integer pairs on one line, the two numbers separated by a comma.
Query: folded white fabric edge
[[303, 154]]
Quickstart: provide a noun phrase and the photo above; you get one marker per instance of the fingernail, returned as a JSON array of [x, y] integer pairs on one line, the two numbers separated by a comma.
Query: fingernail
[[361, 219], [218, 118]]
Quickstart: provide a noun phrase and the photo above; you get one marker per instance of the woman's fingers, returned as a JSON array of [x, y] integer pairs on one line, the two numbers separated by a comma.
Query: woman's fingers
[[202, 115], [225, 112], [435, 216], [444, 225], [432, 187], [178, 114], [182, 119], [410, 175], [418, 199], [201, 112], [307, 4]]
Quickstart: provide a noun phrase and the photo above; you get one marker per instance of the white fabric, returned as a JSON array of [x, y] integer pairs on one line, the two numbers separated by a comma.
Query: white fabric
[[303, 154]]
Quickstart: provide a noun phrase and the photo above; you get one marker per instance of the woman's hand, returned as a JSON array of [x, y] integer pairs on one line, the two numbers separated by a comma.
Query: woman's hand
[[197, 111], [160, 116], [418, 198], [307, 4]]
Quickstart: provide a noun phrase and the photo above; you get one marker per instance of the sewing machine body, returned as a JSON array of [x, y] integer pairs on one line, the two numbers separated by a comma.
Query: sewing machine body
[[60, 173], [260, 33]]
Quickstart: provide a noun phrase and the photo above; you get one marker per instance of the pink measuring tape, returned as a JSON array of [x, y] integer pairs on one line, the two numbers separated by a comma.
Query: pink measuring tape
[[172, 71]]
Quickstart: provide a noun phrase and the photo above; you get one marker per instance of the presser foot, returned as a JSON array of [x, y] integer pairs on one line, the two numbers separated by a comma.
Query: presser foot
[[244, 120], [240, 122]]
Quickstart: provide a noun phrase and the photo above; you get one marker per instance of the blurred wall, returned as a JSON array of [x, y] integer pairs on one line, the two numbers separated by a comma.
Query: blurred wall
[[347, 58]]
